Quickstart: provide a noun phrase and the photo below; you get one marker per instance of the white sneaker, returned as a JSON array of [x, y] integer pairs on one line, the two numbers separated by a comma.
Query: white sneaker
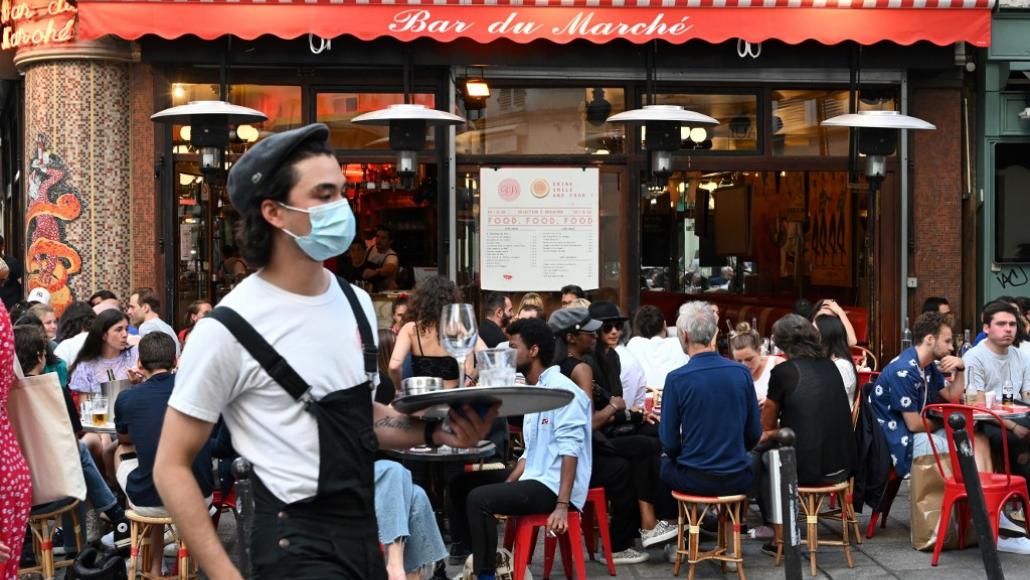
[[1006, 524], [630, 556], [661, 533], [1019, 545]]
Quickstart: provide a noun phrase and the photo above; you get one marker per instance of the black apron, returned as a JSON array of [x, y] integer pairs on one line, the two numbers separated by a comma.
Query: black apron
[[334, 533]]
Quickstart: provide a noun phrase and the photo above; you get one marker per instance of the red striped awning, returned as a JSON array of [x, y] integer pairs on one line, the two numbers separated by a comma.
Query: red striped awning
[[941, 22]]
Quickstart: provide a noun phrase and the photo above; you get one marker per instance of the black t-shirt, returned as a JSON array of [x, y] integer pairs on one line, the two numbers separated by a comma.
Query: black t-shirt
[[491, 333], [812, 401], [139, 412], [10, 291]]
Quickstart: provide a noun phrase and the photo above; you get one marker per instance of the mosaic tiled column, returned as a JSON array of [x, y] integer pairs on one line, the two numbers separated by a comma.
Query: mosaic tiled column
[[77, 169]]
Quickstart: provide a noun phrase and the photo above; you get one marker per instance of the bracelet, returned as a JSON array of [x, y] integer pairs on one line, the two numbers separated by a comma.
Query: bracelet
[[430, 429], [564, 503], [612, 405]]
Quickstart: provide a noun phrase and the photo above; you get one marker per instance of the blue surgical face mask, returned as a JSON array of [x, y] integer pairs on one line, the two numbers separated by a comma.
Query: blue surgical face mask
[[332, 229]]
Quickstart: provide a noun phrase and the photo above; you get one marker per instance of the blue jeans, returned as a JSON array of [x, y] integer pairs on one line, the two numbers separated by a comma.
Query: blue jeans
[[403, 511]]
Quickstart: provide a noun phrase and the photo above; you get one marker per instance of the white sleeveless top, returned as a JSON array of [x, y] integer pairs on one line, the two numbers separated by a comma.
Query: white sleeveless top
[[762, 383]]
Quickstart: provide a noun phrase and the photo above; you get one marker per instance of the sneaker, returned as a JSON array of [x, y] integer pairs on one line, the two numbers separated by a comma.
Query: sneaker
[[1019, 545], [762, 533], [629, 556], [769, 549], [1005, 524], [120, 538], [661, 533]]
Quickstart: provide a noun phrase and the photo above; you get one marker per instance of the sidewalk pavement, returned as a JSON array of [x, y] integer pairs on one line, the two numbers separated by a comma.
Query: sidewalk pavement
[[889, 555]]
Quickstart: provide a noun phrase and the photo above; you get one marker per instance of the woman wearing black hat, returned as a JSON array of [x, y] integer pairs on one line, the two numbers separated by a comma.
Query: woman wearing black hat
[[575, 339], [633, 433]]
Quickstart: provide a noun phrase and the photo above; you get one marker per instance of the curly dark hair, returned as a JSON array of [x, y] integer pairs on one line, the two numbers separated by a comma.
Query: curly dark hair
[[431, 295], [797, 337], [254, 235], [76, 318]]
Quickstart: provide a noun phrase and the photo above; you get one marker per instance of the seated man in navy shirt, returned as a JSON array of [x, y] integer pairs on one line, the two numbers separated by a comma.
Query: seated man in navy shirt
[[710, 416], [139, 414]]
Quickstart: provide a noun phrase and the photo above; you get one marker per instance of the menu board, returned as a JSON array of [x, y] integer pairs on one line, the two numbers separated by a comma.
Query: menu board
[[538, 228]]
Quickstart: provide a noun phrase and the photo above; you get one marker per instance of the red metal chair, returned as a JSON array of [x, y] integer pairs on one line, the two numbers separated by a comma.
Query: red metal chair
[[594, 511], [890, 491], [998, 488], [520, 538]]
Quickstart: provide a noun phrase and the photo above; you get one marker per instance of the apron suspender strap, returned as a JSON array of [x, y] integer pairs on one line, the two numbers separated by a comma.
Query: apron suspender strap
[[368, 344], [269, 359]]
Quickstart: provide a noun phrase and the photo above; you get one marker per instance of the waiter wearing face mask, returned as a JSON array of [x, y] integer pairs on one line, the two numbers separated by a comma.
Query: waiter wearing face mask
[[288, 359]]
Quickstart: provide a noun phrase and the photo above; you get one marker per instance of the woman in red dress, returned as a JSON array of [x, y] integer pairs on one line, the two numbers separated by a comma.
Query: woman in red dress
[[15, 480]]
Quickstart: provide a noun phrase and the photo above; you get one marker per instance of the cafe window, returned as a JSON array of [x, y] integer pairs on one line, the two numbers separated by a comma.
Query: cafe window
[[1012, 192], [752, 232], [797, 116], [338, 109], [544, 121], [205, 220], [738, 128]]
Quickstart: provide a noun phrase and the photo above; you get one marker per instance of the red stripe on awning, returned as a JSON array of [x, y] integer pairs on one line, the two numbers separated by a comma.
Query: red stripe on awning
[[941, 22]]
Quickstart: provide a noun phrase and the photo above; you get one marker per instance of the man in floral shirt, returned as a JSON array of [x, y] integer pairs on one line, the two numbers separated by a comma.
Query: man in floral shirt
[[910, 382]]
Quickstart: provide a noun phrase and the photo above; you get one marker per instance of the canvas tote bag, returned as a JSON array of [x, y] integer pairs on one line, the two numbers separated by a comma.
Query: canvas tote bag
[[44, 432]]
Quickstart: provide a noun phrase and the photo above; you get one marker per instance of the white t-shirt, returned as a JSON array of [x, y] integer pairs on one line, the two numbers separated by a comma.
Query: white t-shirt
[[762, 384], [158, 325], [658, 356], [68, 349], [847, 372], [317, 335], [632, 377]]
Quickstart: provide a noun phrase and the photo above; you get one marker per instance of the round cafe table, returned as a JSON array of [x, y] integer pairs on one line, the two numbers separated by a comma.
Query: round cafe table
[[107, 428], [1016, 410]]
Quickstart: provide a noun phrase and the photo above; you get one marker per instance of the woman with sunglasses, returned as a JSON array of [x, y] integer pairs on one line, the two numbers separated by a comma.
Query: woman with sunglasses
[[633, 433]]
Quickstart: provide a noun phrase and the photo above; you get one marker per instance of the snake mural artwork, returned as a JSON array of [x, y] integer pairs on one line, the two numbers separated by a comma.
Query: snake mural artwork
[[53, 202]]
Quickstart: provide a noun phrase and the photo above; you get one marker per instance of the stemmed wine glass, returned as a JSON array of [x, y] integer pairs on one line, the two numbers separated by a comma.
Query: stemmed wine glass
[[458, 334]]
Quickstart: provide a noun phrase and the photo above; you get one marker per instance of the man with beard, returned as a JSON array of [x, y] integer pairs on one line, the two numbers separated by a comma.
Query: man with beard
[[553, 474], [498, 315], [910, 382]]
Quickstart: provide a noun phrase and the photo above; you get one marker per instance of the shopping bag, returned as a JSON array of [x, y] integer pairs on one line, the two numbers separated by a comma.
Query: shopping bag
[[927, 495], [504, 568], [44, 433]]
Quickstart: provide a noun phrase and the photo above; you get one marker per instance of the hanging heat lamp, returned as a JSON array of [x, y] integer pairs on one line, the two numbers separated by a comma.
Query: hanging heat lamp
[[208, 123], [408, 124], [663, 125]]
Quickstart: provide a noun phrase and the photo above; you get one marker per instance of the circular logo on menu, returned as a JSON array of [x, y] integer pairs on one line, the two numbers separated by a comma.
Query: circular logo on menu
[[540, 188], [508, 189]]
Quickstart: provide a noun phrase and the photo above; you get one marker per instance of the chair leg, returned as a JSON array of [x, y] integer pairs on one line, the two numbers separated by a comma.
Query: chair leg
[[184, 561], [133, 547], [813, 530], [942, 530], [575, 540], [849, 505], [844, 528], [509, 534], [566, 551], [523, 536], [549, 545], [738, 552], [47, 547], [695, 539], [963, 520], [778, 542], [723, 536], [680, 539], [600, 512], [588, 529]]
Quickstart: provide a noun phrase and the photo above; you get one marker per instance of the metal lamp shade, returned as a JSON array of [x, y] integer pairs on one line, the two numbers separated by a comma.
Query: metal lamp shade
[[878, 120], [395, 113], [194, 111], [663, 113]]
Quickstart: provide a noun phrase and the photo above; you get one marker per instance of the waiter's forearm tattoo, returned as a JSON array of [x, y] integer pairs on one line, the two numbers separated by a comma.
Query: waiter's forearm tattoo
[[399, 423]]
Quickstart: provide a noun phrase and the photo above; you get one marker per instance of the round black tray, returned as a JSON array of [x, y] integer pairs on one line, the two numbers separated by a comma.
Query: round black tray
[[515, 400]]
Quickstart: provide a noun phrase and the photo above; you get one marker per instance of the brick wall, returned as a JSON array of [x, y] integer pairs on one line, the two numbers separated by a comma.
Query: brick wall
[[145, 256], [936, 198]]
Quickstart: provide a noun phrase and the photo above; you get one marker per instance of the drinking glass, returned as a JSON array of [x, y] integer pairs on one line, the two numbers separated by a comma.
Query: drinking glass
[[458, 334], [496, 367], [99, 411]]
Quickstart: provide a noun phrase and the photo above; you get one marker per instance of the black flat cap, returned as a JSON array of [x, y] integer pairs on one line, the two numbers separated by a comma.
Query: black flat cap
[[249, 176]]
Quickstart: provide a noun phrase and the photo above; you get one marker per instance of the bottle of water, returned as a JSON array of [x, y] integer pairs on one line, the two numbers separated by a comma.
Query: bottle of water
[[906, 336], [971, 393], [1007, 393], [966, 343]]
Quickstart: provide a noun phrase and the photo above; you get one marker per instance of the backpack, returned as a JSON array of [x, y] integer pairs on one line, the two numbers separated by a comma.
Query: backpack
[[504, 570], [98, 562]]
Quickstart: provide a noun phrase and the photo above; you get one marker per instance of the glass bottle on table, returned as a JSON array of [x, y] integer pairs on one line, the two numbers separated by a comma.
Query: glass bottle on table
[[906, 336], [966, 343], [971, 393], [1008, 393]]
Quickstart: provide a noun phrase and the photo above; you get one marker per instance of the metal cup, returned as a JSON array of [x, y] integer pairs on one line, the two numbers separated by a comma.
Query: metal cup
[[110, 390], [421, 385]]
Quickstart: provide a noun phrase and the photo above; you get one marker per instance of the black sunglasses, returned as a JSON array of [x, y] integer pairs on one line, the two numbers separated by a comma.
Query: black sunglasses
[[610, 326]]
